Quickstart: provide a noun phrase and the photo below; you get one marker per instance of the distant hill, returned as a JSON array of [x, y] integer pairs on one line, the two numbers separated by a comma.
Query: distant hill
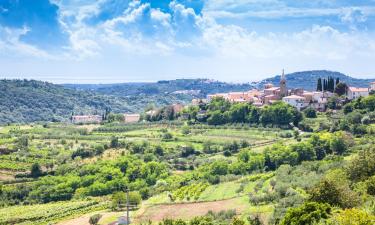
[[23, 101], [308, 79], [193, 87], [30, 100]]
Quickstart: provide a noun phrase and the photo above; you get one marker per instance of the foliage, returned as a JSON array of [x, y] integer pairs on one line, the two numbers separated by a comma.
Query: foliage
[[310, 112], [334, 189], [308, 213], [352, 217], [94, 219], [362, 166]]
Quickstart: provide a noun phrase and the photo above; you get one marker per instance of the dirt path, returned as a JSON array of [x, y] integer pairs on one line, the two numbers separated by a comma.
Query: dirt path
[[186, 210]]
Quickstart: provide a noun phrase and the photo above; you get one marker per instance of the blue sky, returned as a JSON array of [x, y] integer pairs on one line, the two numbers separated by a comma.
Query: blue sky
[[109, 41]]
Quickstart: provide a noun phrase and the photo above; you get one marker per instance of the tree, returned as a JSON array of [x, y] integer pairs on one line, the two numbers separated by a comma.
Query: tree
[[334, 189], [114, 142], [338, 144], [94, 219], [216, 118], [341, 89], [119, 199], [36, 171], [333, 102], [319, 85], [362, 166], [306, 214], [310, 112]]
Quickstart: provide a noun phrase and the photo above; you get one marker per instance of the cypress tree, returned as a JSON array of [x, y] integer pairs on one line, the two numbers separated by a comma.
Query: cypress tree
[[319, 85]]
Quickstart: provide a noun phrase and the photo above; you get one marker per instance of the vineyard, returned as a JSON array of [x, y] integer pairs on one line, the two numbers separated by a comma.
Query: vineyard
[[46, 213]]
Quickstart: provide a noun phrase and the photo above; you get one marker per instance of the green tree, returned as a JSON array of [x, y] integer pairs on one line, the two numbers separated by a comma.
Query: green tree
[[362, 166], [306, 214], [319, 85], [341, 89], [216, 118], [334, 189], [114, 142], [36, 170], [310, 112]]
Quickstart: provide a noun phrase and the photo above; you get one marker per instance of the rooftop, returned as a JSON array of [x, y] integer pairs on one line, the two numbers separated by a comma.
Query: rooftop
[[355, 89], [294, 97]]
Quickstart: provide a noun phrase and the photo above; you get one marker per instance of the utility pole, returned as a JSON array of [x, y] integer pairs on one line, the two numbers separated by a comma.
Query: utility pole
[[127, 206]]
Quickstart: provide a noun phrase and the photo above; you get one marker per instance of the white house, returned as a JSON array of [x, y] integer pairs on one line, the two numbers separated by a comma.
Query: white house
[[295, 101], [354, 92], [131, 118], [372, 86]]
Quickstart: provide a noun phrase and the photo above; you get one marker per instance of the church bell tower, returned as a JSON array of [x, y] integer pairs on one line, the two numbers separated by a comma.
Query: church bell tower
[[283, 88]]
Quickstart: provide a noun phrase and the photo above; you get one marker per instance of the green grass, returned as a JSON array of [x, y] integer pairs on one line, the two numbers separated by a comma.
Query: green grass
[[220, 191]]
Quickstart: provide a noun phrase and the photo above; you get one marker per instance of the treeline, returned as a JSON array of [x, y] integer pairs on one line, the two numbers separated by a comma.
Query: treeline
[[101, 178], [328, 84], [219, 111], [359, 113]]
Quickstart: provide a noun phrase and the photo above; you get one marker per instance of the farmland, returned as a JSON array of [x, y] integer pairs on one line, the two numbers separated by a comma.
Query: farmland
[[64, 173]]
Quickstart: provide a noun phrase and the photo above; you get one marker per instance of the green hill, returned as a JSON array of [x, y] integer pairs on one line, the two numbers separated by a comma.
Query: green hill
[[30, 100], [308, 79]]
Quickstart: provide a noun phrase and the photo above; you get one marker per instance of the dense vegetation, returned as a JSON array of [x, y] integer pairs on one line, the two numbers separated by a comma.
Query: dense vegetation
[[28, 100], [247, 165], [219, 111]]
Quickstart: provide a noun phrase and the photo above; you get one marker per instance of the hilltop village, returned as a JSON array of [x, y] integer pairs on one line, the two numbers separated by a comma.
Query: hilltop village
[[297, 98], [327, 89]]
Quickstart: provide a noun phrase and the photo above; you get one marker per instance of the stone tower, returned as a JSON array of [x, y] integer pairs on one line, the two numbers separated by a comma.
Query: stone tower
[[283, 88]]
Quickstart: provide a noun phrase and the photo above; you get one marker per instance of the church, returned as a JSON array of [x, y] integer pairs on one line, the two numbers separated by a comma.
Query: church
[[271, 93]]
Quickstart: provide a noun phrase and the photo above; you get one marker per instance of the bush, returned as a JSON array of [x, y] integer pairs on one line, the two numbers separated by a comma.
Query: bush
[[310, 112], [94, 219]]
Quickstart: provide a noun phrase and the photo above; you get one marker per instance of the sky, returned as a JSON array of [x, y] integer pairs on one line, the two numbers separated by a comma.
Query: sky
[[111, 41]]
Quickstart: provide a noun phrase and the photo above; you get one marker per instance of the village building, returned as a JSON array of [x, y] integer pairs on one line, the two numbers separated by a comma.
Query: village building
[[219, 95], [296, 101], [177, 108], [198, 101], [283, 88], [131, 118], [372, 86], [87, 119], [354, 92]]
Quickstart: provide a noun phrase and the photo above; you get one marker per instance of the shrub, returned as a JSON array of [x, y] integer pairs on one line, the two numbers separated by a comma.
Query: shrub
[[310, 112], [94, 219], [308, 213]]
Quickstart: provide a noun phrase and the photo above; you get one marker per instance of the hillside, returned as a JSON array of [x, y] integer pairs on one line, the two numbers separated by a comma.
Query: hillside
[[30, 100], [308, 79]]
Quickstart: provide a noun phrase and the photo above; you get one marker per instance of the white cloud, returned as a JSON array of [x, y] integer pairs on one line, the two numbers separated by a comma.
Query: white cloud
[[10, 44], [317, 42]]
